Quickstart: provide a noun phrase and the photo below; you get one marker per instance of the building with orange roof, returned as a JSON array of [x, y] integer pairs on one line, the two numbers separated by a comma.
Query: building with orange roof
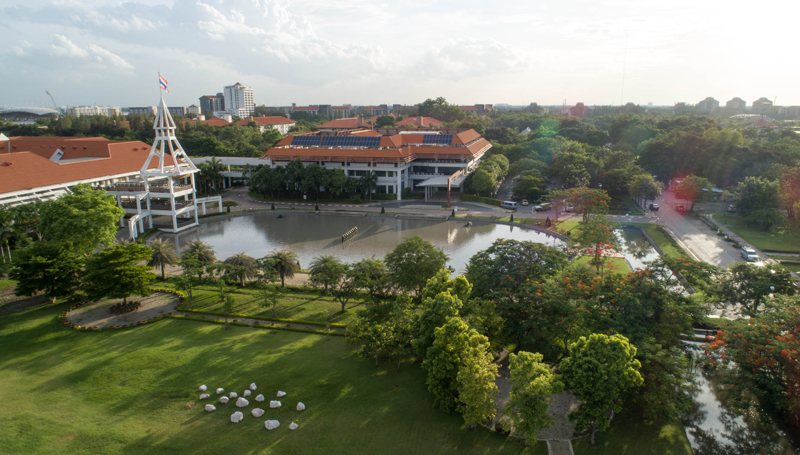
[[579, 110], [201, 120], [419, 122], [424, 159], [146, 180], [276, 122], [343, 124]]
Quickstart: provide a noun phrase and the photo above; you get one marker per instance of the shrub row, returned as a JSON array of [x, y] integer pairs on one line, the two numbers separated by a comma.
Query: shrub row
[[263, 318], [485, 200], [242, 324]]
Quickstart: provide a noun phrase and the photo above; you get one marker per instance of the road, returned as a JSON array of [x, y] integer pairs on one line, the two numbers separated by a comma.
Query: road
[[704, 243]]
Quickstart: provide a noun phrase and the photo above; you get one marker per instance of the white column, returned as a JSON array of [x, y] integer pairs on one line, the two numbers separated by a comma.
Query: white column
[[399, 190]]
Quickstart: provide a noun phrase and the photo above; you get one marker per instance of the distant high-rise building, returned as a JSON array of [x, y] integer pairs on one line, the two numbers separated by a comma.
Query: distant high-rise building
[[736, 103], [177, 110], [108, 111], [708, 104], [239, 100], [147, 110], [212, 103], [194, 109], [762, 103]]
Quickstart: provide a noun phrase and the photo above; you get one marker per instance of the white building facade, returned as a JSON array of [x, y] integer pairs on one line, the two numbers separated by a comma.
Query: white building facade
[[239, 100]]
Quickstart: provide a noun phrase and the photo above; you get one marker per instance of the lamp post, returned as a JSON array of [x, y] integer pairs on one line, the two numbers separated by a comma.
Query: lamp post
[[656, 221]]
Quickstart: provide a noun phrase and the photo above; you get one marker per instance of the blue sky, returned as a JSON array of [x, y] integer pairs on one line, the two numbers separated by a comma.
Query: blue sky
[[368, 52]]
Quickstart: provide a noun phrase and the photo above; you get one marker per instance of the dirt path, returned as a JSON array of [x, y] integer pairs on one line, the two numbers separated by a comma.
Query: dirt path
[[98, 314], [10, 303]]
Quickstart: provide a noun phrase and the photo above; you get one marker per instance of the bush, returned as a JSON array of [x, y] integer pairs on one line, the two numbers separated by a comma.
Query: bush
[[485, 200], [273, 206], [383, 210]]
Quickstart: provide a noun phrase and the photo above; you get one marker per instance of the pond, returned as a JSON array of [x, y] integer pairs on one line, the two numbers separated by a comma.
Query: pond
[[312, 235], [635, 247], [714, 430]]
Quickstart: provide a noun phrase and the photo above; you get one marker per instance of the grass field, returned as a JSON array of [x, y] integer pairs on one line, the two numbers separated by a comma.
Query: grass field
[[128, 392], [618, 265], [776, 239], [629, 435]]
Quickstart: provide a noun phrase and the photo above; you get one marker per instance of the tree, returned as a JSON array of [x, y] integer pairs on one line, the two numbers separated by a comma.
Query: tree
[[413, 262], [227, 307], [346, 284], [242, 266], [585, 201], [600, 370], [324, 271], [691, 188], [436, 312], [749, 286], [758, 200], [191, 264], [533, 385], [163, 255], [211, 173], [85, 218], [286, 264], [443, 361], [384, 121], [764, 351], [114, 272], [269, 297], [596, 237], [530, 187], [476, 375], [47, 267], [644, 186], [26, 218], [6, 230], [368, 183], [203, 253], [371, 274], [483, 182]]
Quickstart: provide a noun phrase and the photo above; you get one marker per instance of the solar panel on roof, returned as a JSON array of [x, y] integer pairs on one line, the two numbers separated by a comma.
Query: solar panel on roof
[[305, 141], [350, 141], [437, 138]]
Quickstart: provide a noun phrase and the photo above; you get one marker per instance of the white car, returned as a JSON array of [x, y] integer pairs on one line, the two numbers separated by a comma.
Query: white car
[[749, 254]]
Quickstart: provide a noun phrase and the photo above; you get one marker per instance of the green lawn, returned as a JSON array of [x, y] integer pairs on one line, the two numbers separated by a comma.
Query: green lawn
[[305, 309], [776, 239], [629, 435], [618, 265], [134, 391], [6, 283]]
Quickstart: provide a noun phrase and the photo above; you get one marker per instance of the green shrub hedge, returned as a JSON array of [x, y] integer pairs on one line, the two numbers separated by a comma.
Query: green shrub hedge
[[485, 200]]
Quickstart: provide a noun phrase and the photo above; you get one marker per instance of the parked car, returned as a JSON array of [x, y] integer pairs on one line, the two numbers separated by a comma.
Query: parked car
[[731, 209], [680, 208], [568, 208], [524, 202], [749, 254], [654, 207], [542, 207], [509, 205]]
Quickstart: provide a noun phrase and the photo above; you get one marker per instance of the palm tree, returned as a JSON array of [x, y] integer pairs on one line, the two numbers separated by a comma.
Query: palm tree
[[163, 255], [243, 265], [211, 171], [286, 264], [205, 253], [322, 266], [368, 182]]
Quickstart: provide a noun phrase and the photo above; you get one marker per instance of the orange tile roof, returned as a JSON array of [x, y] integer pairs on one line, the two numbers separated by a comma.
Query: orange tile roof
[[426, 121], [368, 133], [213, 121], [269, 120], [26, 167], [343, 123]]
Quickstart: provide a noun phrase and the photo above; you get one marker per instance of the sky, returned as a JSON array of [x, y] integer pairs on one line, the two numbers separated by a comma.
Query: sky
[[599, 52]]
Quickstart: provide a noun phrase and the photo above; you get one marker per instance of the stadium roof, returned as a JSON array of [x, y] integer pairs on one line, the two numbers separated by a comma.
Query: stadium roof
[[29, 110]]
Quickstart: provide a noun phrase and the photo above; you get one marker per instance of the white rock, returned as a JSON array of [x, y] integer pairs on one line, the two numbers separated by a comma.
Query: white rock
[[237, 417], [220, 390], [203, 388], [272, 424], [301, 406], [281, 394], [234, 395], [257, 412], [204, 396], [210, 407], [274, 404], [223, 400], [293, 426], [253, 386], [260, 397], [241, 402], [246, 393]]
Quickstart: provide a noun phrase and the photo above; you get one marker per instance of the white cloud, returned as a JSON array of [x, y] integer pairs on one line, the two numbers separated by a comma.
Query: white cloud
[[106, 56], [471, 57], [63, 47]]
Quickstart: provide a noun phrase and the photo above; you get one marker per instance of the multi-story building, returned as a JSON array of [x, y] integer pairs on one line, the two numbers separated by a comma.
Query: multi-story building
[[375, 111], [707, 105], [239, 100], [212, 103], [343, 124], [762, 103], [419, 122], [281, 124], [579, 110], [736, 104], [422, 159], [108, 111], [478, 109], [147, 110], [194, 109], [177, 110]]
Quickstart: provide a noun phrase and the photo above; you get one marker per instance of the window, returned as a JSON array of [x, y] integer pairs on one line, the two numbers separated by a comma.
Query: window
[[380, 173]]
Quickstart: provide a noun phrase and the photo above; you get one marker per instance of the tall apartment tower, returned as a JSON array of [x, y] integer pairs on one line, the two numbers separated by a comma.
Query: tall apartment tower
[[239, 100]]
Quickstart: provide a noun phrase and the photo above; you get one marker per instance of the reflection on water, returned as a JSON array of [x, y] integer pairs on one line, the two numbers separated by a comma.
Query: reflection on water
[[635, 246], [713, 430], [312, 235]]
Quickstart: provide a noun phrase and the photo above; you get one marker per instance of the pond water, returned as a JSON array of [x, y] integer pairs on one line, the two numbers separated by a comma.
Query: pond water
[[635, 247], [714, 430], [312, 235]]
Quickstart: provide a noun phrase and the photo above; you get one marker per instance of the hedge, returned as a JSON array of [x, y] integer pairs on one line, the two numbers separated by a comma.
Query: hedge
[[242, 324], [485, 200], [262, 318]]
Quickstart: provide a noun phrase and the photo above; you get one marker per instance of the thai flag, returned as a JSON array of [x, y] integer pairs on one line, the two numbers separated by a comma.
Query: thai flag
[[163, 83]]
